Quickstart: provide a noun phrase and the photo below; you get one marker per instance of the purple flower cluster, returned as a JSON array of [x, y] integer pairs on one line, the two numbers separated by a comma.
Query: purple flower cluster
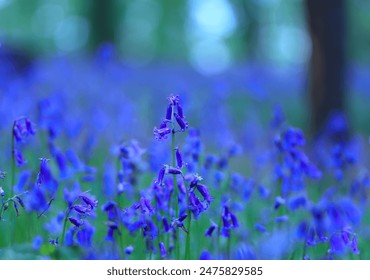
[[174, 114], [190, 201], [77, 213], [22, 129]]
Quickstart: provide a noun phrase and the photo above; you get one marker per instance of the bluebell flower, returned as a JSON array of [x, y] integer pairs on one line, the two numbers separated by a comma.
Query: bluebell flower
[[297, 202], [179, 158], [292, 138], [260, 227], [44, 173], [22, 128], [210, 230], [302, 230], [161, 133], [89, 201], [278, 202], [337, 245], [112, 228], [19, 159], [162, 250], [203, 190], [161, 174], [205, 255], [150, 229], [173, 99], [229, 221], [36, 200], [23, 178], [16, 208], [69, 238], [55, 225], [2, 194], [76, 222], [173, 170], [37, 242], [85, 234], [354, 247], [20, 201], [111, 209], [166, 225], [282, 219], [81, 209], [264, 192], [61, 162], [341, 241], [181, 122], [70, 195], [45, 177], [180, 111], [146, 206], [179, 222], [54, 242], [194, 180], [169, 112], [195, 205], [129, 250], [174, 112]]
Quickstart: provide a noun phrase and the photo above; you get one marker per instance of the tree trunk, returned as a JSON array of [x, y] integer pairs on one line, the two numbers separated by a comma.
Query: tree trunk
[[102, 22], [326, 21]]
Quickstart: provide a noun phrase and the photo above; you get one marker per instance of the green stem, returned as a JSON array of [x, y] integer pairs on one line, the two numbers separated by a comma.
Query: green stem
[[175, 186], [11, 191], [120, 205], [65, 225], [218, 246], [188, 236], [13, 166], [187, 248], [176, 195], [229, 247]]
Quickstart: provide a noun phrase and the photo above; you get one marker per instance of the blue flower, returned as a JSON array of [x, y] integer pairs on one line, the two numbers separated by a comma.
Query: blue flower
[[89, 201], [85, 234], [161, 133], [162, 250], [205, 255], [354, 247], [129, 249], [146, 206], [297, 202], [111, 209], [76, 222], [45, 177], [260, 227], [112, 228], [229, 221], [210, 230], [37, 242], [19, 159]]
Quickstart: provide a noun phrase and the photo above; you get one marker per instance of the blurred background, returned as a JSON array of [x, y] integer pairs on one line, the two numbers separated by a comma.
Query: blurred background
[[310, 57]]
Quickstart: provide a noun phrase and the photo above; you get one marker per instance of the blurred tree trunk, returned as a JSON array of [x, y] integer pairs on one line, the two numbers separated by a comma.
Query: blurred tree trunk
[[247, 13], [327, 22], [103, 15]]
